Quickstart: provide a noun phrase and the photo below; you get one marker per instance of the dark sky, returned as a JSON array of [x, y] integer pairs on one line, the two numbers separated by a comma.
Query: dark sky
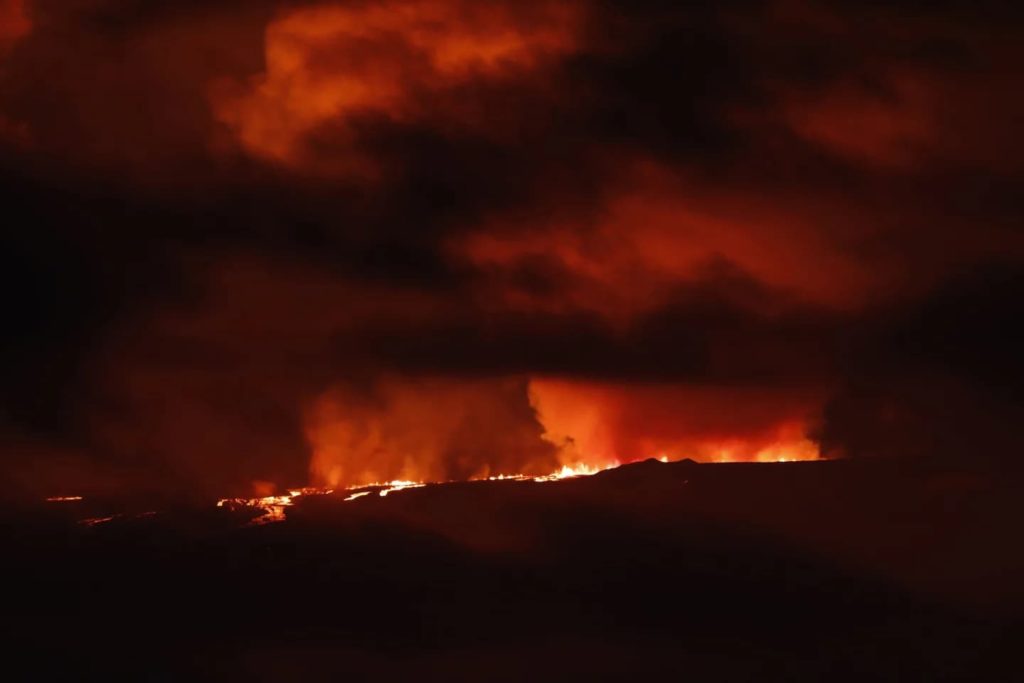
[[337, 242]]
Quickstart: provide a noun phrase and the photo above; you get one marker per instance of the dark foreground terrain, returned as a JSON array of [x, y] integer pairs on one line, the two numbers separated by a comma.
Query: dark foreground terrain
[[824, 571]]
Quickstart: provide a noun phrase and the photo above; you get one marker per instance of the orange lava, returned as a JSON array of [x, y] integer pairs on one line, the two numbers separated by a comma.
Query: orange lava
[[565, 472], [273, 508], [398, 485], [93, 521]]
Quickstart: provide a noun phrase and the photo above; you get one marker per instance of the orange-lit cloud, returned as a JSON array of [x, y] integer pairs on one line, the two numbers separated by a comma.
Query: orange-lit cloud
[[891, 124], [330, 64], [601, 423], [15, 23], [425, 430], [658, 231], [218, 389], [674, 221]]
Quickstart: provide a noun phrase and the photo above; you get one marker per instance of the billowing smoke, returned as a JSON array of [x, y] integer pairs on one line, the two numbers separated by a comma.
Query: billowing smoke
[[357, 240], [426, 430], [602, 424]]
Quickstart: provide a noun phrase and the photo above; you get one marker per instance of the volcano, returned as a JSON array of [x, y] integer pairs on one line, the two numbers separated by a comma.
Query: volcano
[[511, 340]]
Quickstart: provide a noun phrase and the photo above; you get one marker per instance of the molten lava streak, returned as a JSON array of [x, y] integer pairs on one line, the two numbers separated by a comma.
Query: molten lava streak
[[578, 470], [398, 485], [93, 521], [273, 508]]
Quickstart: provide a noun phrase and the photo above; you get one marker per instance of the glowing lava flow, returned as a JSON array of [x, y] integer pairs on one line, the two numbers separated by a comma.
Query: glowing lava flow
[[578, 470], [566, 472], [93, 521], [398, 485], [273, 508]]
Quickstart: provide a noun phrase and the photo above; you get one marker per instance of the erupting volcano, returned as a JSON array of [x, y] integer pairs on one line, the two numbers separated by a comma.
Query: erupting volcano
[[512, 339]]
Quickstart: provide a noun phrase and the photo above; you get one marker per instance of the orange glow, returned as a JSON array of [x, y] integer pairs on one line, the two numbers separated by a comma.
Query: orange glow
[[577, 470], [399, 485], [791, 446], [63, 499], [95, 521], [894, 128], [415, 430], [406, 432], [326, 65], [659, 231], [600, 424], [565, 472], [273, 507]]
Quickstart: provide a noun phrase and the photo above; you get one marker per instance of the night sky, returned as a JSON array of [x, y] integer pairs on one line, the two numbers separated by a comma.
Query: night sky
[[258, 243]]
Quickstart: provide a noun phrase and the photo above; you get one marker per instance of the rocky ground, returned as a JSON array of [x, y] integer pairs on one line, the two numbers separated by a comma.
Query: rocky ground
[[846, 570]]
